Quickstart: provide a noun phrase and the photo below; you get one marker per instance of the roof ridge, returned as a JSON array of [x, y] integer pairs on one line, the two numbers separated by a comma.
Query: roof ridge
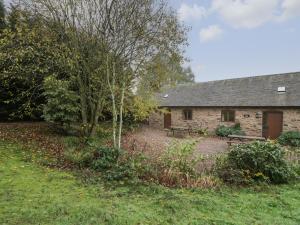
[[248, 77]]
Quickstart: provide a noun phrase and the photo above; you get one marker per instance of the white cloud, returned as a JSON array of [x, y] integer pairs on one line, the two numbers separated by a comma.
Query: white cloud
[[194, 12], [291, 8], [210, 33], [246, 13]]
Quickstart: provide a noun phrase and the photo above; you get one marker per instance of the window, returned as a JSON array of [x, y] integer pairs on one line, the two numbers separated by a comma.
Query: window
[[228, 116], [187, 114]]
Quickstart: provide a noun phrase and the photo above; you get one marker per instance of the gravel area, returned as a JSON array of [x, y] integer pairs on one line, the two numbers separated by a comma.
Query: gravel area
[[153, 142], [148, 140], [212, 145]]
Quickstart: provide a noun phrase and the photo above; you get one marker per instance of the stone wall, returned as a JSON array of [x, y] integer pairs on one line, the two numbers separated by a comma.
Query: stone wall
[[251, 119], [202, 118], [156, 120], [291, 120]]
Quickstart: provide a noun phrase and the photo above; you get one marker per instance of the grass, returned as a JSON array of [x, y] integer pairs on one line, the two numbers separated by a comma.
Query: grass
[[31, 194]]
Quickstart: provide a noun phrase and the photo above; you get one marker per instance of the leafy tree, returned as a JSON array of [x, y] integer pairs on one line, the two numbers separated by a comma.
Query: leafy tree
[[61, 102], [111, 40], [14, 16], [138, 107], [28, 54], [79, 32], [2, 15], [165, 70]]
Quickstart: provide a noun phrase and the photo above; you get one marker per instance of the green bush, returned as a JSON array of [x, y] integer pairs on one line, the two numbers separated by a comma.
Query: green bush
[[291, 138], [296, 169], [224, 131], [114, 164], [80, 158], [121, 172], [105, 158], [103, 132], [202, 131], [61, 102], [177, 167], [257, 161]]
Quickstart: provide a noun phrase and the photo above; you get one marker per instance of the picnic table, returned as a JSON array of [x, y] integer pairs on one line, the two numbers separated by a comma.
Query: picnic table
[[181, 130], [237, 139]]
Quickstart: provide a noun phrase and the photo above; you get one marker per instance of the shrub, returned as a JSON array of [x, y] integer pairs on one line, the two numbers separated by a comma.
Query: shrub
[[291, 138], [105, 158], [114, 164], [179, 157], [121, 172], [177, 167], [80, 158], [103, 133], [257, 161], [61, 102], [202, 131], [224, 131], [296, 169]]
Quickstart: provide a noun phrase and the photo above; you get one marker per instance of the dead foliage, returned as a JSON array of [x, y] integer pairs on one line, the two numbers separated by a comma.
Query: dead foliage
[[39, 137]]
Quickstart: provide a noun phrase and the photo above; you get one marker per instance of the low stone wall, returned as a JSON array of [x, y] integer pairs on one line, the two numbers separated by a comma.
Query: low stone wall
[[251, 119]]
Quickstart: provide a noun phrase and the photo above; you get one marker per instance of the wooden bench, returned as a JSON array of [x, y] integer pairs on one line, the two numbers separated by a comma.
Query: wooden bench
[[177, 130], [239, 139]]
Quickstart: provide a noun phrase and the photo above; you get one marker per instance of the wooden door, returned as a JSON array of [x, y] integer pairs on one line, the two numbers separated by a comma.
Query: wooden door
[[167, 120], [272, 124]]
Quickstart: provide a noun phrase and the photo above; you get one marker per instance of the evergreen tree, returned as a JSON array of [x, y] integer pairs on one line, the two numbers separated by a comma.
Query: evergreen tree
[[28, 54], [2, 15], [14, 16]]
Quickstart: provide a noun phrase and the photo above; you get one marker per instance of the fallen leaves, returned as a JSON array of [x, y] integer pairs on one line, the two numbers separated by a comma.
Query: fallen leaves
[[40, 137]]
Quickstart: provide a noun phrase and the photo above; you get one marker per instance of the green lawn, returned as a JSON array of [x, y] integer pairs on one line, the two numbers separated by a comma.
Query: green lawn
[[31, 194]]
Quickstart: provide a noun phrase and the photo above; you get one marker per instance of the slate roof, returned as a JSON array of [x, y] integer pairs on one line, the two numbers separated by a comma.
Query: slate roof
[[255, 91]]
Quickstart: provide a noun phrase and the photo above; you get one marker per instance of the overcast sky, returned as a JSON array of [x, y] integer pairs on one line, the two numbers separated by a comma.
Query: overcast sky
[[236, 38]]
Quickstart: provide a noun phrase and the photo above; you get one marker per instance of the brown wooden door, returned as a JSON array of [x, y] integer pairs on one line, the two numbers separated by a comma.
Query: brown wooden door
[[272, 124], [167, 120]]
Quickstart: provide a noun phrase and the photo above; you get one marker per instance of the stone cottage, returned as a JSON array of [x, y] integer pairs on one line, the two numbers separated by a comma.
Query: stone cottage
[[263, 105]]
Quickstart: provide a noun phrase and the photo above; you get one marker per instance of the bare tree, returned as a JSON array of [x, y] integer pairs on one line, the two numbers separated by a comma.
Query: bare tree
[[127, 32], [136, 31]]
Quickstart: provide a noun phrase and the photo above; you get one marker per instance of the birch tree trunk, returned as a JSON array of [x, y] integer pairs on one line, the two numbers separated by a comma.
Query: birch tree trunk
[[111, 86], [121, 115]]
